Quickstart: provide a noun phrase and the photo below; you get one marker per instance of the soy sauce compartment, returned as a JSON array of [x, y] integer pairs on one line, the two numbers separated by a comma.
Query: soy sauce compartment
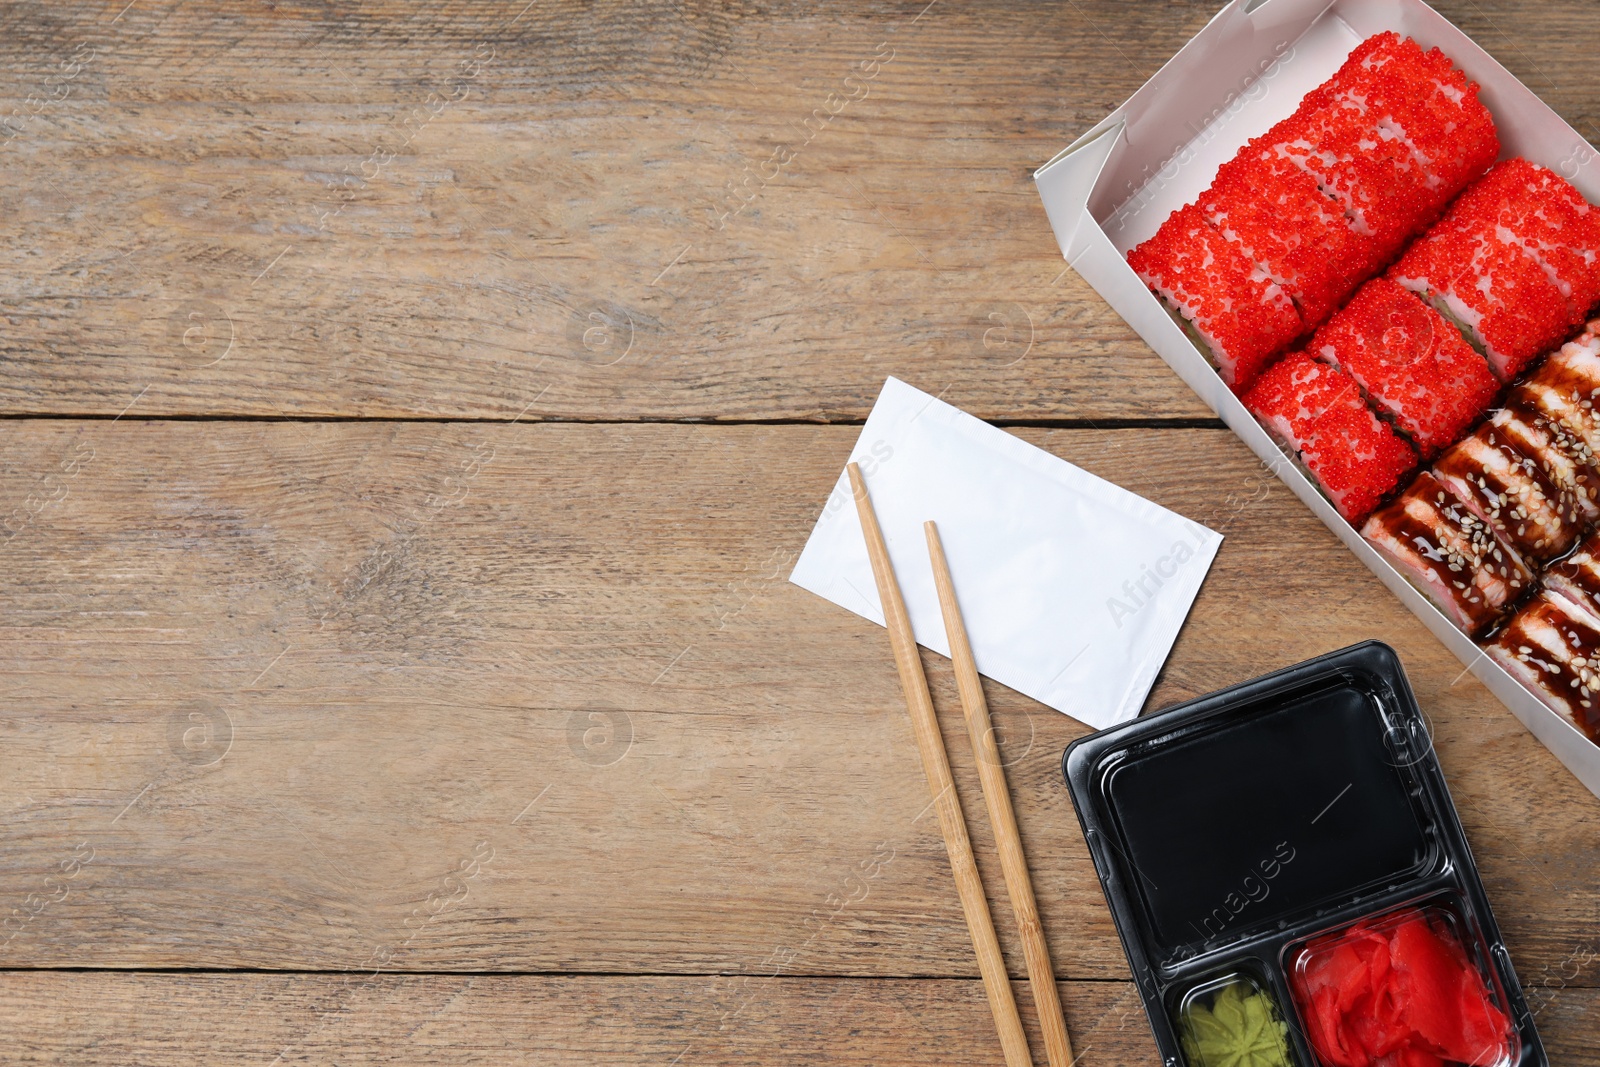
[[1299, 803], [1418, 976], [1291, 748], [1235, 1019]]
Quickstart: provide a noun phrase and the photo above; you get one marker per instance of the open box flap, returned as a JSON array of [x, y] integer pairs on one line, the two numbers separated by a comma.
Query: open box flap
[[1066, 182]]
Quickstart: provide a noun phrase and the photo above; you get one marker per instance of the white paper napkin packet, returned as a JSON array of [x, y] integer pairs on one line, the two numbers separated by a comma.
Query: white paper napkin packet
[[1072, 588]]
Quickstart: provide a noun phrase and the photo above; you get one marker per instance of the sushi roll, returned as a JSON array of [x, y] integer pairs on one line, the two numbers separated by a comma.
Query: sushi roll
[[1552, 646], [1578, 576], [1490, 289], [1381, 194], [1237, 316], [1559, 400], [1422, 99], [1578, 360], [1324, 200], [1566, 389], [1393, 136], [1316, 412], [1413, 365], [1572, 419], [1483, 276], [1278, 218], [1555, 225], [1564, 462], [1449, 553], [1507, 489]]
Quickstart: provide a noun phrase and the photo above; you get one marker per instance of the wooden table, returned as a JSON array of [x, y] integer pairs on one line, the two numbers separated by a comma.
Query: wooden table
[[412, 413]]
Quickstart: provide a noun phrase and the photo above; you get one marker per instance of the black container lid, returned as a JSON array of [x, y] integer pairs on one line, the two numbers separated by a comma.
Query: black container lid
[[1262, 816]]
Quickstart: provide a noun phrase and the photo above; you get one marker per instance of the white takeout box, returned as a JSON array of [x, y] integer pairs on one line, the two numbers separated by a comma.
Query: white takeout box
[[1247, 70]]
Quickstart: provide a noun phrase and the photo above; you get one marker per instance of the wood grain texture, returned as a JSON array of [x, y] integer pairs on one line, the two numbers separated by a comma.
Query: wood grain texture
[[554, 1021], [579, 652], [166, 1019], [511, 736], [479, 209]]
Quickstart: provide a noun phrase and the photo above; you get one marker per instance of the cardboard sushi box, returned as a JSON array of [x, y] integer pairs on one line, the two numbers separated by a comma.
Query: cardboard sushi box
[[1245, 71]]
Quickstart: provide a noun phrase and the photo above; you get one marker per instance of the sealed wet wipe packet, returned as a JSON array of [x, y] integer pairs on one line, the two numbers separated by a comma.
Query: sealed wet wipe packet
[[1073, 588]]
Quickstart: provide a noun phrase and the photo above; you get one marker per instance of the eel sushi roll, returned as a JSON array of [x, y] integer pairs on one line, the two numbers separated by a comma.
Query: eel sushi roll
[[1489, 279], [1552, 646], [1451, 555], [1412, 364], [1508, 489], [1565, 390], [1551, 419], [1578, 576], [1236, 315], [1317, 413], [1564, 460]]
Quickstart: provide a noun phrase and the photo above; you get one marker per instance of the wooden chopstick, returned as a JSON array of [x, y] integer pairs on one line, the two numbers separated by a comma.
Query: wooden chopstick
[[936, 765], [992, 773]]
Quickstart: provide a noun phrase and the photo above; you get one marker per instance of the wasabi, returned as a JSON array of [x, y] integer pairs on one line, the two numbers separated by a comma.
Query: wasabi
[[1241, 1028]]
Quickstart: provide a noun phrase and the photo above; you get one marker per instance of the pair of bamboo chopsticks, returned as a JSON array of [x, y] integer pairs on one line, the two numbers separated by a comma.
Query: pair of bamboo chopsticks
[[991, 773]]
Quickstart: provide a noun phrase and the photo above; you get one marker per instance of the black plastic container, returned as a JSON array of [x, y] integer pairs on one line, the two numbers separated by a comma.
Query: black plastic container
[[1237, 835]]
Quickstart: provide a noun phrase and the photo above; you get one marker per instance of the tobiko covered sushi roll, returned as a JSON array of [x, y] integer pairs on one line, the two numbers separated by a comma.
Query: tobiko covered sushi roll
[[1552, 646], [1277, 217], [1317, 412], [1393, 137], [1420, 97], [1412, 364], [1448, 553], [1496, 294], [1237, 315], [1514, 264], [1554, 224], [1318, 204]]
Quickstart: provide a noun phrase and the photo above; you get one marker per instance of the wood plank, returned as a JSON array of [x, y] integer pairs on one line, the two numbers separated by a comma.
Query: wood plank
[[477, 210], [299, 686], [160, 1019]]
